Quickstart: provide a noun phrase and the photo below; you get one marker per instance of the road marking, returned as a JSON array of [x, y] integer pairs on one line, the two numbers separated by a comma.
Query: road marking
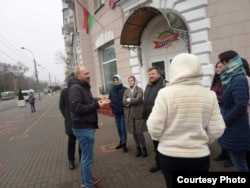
[[25, 133], [2, 166]]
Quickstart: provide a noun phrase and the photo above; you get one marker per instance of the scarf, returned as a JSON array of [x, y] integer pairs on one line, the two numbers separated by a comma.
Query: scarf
[[233, 68], [133, 88]]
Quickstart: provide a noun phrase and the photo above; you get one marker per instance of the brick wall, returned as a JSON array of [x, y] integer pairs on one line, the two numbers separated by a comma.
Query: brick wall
[[106, 110]]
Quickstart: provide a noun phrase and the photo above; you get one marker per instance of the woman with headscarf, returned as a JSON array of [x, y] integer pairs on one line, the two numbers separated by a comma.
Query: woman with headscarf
[[235, 138], [135, 124]]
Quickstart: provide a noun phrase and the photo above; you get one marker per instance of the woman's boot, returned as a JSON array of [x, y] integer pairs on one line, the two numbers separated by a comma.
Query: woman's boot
[[138, 152], [144, 152], [124, 147]]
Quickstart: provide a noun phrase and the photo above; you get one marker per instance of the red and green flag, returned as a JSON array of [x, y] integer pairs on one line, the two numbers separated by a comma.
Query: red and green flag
[[88, 19]]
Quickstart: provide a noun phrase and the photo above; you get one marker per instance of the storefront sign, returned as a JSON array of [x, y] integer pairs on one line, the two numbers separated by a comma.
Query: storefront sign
[[165, 39]]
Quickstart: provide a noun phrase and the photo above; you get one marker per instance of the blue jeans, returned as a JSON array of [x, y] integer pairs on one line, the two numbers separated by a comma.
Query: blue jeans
[[32, 107], [120, 124], [86, 140], [239, 160]]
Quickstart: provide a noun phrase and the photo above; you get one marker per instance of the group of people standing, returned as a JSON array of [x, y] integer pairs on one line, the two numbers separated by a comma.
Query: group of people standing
[[131, 108], [78, 108], [181, 116]]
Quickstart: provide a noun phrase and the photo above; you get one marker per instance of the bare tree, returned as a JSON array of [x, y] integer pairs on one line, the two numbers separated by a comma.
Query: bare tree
[[19, 70], [61, 58]]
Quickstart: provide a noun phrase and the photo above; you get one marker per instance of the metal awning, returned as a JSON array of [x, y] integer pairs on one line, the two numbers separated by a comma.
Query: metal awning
[[138, 20]]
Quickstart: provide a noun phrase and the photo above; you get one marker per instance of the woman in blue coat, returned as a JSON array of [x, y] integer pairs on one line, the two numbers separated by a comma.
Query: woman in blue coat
[[235, 97]]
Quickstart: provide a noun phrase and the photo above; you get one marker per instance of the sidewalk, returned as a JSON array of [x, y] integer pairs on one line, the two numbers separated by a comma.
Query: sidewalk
[[33, 153]]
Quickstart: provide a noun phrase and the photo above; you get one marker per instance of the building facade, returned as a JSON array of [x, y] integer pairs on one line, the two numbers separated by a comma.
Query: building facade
[[126, 37]]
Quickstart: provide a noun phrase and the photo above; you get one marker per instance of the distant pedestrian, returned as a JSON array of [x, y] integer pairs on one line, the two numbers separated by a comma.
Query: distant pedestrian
[[32, 100], [64, 106], [83, 110], [116, 96], [185, 119], [133, 106]]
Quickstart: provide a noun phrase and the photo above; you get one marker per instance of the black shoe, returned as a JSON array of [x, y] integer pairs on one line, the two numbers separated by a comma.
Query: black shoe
[[228, 163], [220, 158], [154, 168], [138, 152], [144, 152], [71, 165], [124, 148], [119, 146]]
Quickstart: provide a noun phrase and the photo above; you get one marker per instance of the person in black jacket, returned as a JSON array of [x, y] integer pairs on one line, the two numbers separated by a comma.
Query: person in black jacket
[[84, 117], [116, 96], [64, 108], [156, 82]]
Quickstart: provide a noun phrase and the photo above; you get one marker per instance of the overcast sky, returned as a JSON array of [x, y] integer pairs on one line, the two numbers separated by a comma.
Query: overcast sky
[[37, 26]]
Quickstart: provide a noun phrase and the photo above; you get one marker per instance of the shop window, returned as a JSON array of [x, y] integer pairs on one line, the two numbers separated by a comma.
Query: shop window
[[109, 68]]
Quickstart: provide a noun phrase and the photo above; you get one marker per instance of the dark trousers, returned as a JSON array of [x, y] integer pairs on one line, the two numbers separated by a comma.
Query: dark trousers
[[225, 154], [248, 159], [71, 148], [169, 165], [157, 161], [32, 107]]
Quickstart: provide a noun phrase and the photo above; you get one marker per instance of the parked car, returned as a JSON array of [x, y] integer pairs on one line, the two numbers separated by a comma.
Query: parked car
[[8, 95]]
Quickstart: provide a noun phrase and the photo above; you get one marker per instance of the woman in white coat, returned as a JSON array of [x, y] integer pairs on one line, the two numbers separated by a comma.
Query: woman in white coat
[[185, 119]]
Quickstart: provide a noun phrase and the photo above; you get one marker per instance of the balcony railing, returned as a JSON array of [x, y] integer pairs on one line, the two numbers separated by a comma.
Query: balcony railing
[[68, 39], [68, 50]]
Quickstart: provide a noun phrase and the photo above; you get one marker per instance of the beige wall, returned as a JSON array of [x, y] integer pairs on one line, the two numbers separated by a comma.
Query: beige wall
[[107, 20], [227, 23], [230, 27]]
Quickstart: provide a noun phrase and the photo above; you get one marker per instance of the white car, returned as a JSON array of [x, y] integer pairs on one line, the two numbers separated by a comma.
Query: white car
[[25, 95]]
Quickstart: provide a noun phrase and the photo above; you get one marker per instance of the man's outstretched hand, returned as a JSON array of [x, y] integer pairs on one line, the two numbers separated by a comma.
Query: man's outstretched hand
[[103, 102]]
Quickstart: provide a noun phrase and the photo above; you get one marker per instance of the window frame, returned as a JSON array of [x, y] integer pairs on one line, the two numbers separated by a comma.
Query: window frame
[[104, 89]]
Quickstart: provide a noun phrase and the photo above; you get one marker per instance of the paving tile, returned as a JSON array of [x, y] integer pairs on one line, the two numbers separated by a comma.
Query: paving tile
[[34, 153]]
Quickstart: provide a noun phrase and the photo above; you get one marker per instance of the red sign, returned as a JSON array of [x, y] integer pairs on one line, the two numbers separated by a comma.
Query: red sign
[[165, 39]]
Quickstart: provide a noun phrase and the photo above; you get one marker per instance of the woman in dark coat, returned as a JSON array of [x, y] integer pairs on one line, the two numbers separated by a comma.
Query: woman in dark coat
[[135, 124], [218, 89], [247, 69], [235, 138]]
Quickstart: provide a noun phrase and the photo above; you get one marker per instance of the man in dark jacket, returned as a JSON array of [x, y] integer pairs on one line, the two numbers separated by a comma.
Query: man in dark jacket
[[156, 82], [116, 96], [84, 119], [64, 108]]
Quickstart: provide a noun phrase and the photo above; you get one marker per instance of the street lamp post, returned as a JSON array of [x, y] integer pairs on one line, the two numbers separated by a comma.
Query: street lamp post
[[36, 75], [48, 73]]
